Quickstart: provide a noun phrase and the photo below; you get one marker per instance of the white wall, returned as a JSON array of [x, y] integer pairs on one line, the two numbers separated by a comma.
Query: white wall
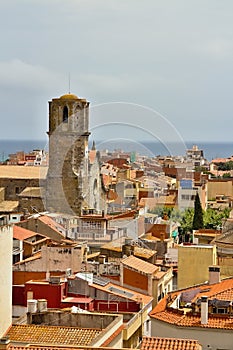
[[205, 336], [6, 245]]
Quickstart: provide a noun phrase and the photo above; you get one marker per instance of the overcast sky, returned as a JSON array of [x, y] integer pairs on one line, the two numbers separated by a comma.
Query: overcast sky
[[171, 57]]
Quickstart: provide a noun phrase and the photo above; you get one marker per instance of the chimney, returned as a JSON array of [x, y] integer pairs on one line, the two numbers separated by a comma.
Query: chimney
[[102, 259], [214, 274], [204, 310], [4, 343], [162, 236]]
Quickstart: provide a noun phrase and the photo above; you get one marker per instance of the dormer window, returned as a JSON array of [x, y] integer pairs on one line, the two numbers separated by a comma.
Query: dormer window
[[65, 115]]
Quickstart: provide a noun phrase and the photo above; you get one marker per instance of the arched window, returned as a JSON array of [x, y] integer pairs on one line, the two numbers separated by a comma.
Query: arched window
[[65, 115]]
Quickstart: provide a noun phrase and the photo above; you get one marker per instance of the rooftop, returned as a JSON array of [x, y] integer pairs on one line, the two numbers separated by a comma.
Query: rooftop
[[140, 265], [21, 233], [69, 96], [52, 334], [157, 343], [51, 223], [120, 291], [34, 192], [222, 291], [9, 206], [117, 244], [22, 172]]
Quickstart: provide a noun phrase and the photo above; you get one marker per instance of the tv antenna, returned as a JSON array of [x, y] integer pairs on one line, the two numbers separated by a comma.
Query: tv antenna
[[69, 82]]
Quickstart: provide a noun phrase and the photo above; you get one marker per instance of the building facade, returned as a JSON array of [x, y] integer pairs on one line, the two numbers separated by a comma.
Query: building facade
[[6, 239], [73, 179]]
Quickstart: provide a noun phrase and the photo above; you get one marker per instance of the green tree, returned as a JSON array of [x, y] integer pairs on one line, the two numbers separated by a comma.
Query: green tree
[[176, 215], [213, 218], [198, 214], [160, 211], [187, 220], [226, 175]]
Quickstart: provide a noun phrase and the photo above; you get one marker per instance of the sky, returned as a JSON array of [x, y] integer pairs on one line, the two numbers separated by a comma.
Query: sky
[[152, 69]]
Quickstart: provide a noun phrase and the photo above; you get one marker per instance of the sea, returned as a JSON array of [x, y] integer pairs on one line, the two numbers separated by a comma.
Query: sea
[[211, 149]]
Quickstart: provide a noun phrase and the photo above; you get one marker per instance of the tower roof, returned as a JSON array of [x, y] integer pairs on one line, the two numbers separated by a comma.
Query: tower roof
[[69, 96]]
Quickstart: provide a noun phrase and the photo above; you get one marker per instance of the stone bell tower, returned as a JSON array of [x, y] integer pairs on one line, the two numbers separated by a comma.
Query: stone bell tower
[[67, 179]]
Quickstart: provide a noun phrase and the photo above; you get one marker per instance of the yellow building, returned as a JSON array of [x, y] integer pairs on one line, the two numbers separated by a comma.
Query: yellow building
[[193, 264], [217, 187]]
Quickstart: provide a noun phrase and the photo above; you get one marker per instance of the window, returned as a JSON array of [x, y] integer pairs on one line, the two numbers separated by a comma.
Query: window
[[91, 225], [187, 197], [219, 310], [148, 326], [65, 115]]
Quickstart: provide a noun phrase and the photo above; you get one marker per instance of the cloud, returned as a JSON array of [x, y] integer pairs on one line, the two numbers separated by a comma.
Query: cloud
[[218, 48], [18, 74]]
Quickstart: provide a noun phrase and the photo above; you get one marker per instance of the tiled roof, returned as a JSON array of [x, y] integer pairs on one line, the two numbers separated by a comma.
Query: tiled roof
[[157, 343], [35, 192], [50, 222], [220, 291], [188, 320], [81, 300], [207, 232], [31, 258], [21, 233], [225, 239], [93, 255], [22, 172], [52, 334], [143, 252], [221, 160], [125, 215], [42, 347], [139, 265], [57, 347], [123, 292], [117, 244], [8, 206], [151, 203]]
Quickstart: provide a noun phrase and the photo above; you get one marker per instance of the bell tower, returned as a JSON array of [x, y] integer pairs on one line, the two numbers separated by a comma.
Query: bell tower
[[67, 179]]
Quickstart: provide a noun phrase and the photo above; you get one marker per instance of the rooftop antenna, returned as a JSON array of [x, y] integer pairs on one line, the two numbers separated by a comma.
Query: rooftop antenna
[[69, 82]]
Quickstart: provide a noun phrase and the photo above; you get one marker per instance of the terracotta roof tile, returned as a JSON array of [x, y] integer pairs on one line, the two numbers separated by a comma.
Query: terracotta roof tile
[[221, 291], [158, 343], [188, 320], [140, 265], [21, 233], [31, 258], [116, 245], [144, 252], [22, 172], [50, 222], [52, 334], [9, 206], [35, 192]]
